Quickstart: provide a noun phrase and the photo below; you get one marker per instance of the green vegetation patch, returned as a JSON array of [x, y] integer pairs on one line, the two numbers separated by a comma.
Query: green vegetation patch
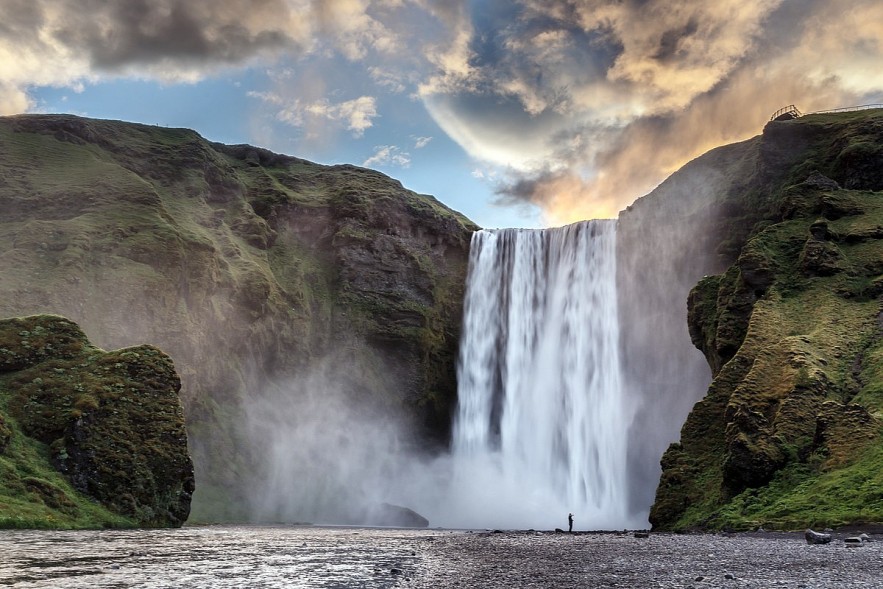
[[789, 434], [110, 422]]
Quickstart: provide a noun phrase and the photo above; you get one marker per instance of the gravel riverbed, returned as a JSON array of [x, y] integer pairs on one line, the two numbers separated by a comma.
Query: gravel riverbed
[[763, 560], [283, 557]]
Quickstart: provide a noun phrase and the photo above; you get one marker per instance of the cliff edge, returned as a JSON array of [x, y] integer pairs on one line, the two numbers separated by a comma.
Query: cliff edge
[[789, 433]]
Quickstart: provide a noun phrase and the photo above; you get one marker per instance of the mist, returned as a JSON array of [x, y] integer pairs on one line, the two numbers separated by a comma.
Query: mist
[[327, 456]]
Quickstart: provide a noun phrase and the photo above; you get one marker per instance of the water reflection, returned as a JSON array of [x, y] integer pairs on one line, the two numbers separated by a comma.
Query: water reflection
[[215, 556]]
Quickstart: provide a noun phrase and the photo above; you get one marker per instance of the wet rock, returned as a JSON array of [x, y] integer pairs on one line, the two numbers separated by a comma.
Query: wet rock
[[820, 258], [5, 434], [819, 230], [816, 537], [819, 181], [852, 541], [642, 534], [396, 516]]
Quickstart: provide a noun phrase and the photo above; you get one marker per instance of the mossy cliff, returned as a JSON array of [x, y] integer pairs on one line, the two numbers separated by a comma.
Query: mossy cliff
[[243, 265], [789, 433], [110, 422]]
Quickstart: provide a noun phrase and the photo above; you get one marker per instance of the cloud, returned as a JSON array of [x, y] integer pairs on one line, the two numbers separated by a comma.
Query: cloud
[[581, 106], [355, 115], [65, 42], [585, 106], [388, 155], [421, 142]]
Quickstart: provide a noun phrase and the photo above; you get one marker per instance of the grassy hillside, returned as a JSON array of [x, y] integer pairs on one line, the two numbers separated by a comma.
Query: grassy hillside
[[789, 434], [244, 265]]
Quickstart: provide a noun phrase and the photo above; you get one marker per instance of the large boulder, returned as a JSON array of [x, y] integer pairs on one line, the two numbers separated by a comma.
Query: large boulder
[[112, 421]]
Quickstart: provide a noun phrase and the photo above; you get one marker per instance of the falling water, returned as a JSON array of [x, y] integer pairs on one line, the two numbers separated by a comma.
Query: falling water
[[542, 421]]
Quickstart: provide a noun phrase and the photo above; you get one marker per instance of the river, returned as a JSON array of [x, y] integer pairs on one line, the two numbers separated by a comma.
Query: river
[[220, 557]]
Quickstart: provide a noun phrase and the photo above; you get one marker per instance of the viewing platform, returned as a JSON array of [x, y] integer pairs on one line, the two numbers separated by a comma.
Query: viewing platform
[[790, 112]]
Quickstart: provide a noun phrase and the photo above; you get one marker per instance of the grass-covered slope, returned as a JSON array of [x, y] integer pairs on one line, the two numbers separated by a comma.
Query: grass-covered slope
[[110, 422], [243, 265], [789, 434]]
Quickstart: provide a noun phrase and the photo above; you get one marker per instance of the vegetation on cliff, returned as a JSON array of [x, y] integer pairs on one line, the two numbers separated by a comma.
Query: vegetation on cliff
[[245, 266], [789, 434], [110, 422]]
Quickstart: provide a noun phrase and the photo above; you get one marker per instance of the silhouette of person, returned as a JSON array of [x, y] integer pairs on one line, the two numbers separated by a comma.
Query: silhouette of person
[[570, 522]]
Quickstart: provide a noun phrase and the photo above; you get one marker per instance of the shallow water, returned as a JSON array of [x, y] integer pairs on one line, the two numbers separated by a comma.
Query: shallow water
[[286, 556], [214, 556]]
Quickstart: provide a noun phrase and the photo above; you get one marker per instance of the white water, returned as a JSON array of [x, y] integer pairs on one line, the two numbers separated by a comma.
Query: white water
[[542, 422]]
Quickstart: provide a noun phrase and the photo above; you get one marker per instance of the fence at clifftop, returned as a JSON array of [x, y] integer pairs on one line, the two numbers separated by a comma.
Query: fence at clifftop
[[787, 113]]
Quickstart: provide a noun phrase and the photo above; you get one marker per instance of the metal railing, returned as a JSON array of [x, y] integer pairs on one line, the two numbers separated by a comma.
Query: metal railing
[[796, 114], [787, 110], [846, 109]]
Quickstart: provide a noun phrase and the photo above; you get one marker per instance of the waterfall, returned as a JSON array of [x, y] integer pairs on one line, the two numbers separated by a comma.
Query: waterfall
[[542, 422]]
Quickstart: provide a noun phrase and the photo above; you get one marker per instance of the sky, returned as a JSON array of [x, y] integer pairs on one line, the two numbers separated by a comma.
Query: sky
[[517, 113]]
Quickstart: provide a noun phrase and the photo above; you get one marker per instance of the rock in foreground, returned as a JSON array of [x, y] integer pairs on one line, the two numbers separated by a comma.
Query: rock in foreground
[[396, 516], [813, 537], [112, 423]]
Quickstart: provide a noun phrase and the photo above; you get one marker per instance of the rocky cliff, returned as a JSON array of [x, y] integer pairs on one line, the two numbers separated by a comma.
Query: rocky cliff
[[666, 242], [110, 422], [789, 432], [247, 267]]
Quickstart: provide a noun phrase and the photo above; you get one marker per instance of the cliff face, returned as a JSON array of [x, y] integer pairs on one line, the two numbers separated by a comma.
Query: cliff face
[[111, 422], [245, 266], [789, 432], [666, 242]]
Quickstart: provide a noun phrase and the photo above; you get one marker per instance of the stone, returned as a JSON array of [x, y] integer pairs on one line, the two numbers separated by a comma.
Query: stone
[[819, 230], [816, 537], [642, 534], [821, 182], [396, 516], [852, 541]]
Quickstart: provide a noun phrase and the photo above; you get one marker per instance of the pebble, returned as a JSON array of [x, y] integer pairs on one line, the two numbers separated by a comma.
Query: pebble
[[752, 561]]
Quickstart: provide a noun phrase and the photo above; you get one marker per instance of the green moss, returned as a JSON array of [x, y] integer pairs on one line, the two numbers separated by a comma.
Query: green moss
[[110, 421], [789, 433], [35, 495]]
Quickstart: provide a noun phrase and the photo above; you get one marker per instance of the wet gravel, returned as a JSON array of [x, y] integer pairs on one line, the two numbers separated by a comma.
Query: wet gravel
[[288, 556], [763, 561]]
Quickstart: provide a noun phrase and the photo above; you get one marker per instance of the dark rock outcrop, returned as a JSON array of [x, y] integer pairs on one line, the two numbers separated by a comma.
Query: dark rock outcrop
[[813, 537], [112, 420], [396, 516]]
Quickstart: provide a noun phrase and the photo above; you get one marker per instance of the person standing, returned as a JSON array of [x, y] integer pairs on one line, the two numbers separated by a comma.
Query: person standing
[[570, 522]]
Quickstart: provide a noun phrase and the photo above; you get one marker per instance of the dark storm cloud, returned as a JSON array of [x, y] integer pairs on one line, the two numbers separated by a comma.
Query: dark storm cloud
[[118, 34], [141, 33]]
